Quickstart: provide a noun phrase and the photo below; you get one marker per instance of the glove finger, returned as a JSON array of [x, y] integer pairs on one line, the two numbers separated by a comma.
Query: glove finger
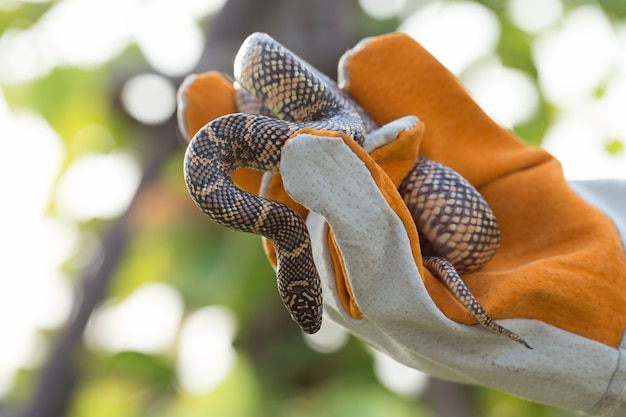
[[380, 249]]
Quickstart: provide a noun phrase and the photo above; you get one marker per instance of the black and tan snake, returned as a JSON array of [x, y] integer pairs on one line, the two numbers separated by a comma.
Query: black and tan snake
[[283, 94]]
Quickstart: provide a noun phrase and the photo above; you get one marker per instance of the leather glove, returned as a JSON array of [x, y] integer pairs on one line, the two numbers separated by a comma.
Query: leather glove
[[558, 279]]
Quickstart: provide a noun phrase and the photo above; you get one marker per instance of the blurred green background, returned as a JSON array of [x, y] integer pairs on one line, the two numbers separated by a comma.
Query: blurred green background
[[118, 298]]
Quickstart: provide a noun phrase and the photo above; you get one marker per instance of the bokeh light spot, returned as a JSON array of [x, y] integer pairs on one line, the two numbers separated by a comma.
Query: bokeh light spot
[[578, 143], [149, 98], [97, 186], [609, 109], [85, 33], [206, 355], [508, 95], [533, 16], [382, 9], [146, 321], [456, 33], [199, 9], [571, 64], [170, 39], [20, 57], [397, 377]]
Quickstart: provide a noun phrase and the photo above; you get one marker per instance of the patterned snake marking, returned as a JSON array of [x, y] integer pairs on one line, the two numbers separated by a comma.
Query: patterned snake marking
[[283, 94]]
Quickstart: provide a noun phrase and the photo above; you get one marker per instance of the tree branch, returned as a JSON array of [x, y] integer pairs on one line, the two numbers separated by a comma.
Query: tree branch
[[321, 30], [58, 377]]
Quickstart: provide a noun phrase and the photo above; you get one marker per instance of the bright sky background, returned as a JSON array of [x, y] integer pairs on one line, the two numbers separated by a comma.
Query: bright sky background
[[574, 54]]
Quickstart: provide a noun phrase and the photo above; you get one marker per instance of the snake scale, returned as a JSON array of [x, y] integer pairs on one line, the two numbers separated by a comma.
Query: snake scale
[[280, 94]]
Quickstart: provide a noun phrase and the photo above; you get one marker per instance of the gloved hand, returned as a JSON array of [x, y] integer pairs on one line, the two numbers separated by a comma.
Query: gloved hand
[[558, 279]]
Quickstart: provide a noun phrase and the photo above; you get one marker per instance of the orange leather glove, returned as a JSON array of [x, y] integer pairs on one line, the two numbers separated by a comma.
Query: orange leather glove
[[558, 279]]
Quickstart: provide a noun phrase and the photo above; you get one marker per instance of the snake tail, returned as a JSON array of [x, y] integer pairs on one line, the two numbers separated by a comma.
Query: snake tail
[[458, 231], [447, 274], [231, 142]]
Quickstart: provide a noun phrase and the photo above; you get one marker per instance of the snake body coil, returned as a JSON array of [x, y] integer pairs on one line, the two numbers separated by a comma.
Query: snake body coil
[[457, 228]]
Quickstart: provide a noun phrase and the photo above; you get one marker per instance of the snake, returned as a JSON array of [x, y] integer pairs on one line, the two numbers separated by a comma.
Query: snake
[[278, 94]]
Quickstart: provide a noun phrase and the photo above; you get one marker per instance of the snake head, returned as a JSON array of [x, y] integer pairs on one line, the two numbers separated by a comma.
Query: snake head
[[302, 295]]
